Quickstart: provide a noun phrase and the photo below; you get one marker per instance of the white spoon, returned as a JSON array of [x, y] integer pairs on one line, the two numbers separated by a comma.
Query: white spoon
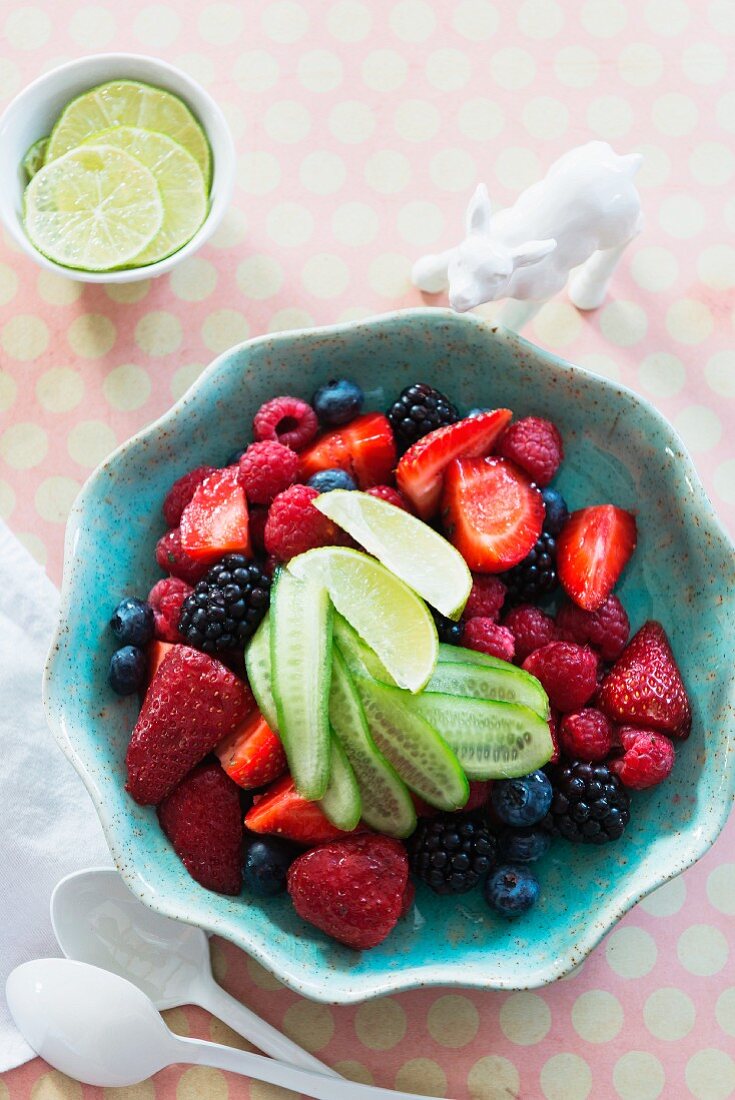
[[98, 921], [102, 1030]]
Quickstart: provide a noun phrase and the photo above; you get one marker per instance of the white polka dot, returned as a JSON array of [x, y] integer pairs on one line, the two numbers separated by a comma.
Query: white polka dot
[[259, 276], [384, 70], [720, 374], [7, 504], [221, 24], [669, 898], [412, 20], [559, 323], [417, 120], [725, 1010], [476, 20], [288, 121], [610, 116], [290, 318], [540, 18], [597, 1016], [668, 17], [702, 949], [355, 1071], [92, 27], [289, 224], [381, 1024], [493, 1078], [322, 172], [453, 170], [704, 63], [127, 387], [352, 121], [599, 364], [387, 171], [453, 1021], [681, 216], [355, 224], [349, 21], [157, 26], [721, 880], [90, 441], [729, 211], [517, 167], [662, 374], [389, 275], [630, 951], [724, 481], [354, 313], [604, 18], [545, 118], [689, 321], [640, 64], [8, 390], [638, 1075], [722, 16], [423, 1074], [654, 268], [56, 290], [9, 78], [726, 112], [712, 163], [231, 231], [9, 283], [525, 1018], [512, 68], [675, 114], [92, 335], [258, 174], [419, 222], [716, 266], [127, 293], [320, 70], [285, 21], [623, 323], [23, 445], [194, 280], [576, 66], [480, 119], [184, 378], [325, 275], [60, 389], [656, 167], [198, 1082], [25, 337], [309, 1024], [27, 28], [158, 333], [197, 65], [37, 549], [448, 70], [701, 429], [566, 1077], [710, 1075], [256, 70], [669, 1014], [224, 328]]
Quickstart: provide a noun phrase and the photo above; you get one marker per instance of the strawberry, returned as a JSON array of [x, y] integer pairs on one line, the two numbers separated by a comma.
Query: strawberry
[[202, 819], [421, 470], [252, 755], [592, 550], [365, 448], [192, 703], [157, 653], [215, 521], [281, 811], [353, 889], [644, 687], [491, 512]]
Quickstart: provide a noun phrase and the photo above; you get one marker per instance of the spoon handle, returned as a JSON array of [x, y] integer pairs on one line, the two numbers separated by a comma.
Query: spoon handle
[[263, 1035]]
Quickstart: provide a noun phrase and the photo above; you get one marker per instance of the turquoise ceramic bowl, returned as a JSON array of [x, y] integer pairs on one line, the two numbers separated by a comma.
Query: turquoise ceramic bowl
[[618, 449]]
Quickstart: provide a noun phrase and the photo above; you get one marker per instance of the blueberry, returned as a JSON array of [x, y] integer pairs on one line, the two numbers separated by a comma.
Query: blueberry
[[235, 457], [267, 860], [132, 622], [522, 801], [326, 480], [128, 668], [477, 412], [511, 890], [557, 512], [448, 630], [337, 402], [525, 845]]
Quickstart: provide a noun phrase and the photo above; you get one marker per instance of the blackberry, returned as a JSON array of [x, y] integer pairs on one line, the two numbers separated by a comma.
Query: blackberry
[[590, 805], [448, 631], [452, 852], [535, 576], [420, 409], [226, 606]]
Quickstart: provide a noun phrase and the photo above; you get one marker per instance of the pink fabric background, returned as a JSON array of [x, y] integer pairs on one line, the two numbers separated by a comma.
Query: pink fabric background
[[362, 126]]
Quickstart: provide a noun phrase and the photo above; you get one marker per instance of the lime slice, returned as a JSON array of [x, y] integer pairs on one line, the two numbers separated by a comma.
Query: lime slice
[[405, 545], [384, 611], [129, 103], [94, 208], [179, 179], [34, 158]]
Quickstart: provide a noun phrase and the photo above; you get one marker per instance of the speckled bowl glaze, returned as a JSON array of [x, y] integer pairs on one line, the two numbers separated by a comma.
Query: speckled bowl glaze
[[618, 449]]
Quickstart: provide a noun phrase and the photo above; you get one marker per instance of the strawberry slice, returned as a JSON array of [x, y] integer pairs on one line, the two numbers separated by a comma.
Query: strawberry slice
[[491, 512], [592, 550], [215, 522], [156, 655], [421, 470], [644, 687], [252, 755], [281, 811], [364, 448]]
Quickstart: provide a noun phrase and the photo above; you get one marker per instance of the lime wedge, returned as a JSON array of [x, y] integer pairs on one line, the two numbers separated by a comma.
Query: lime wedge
[[129, 103], [384, 611], [405, 545], [35, 156], [179, 179], [94, 208]]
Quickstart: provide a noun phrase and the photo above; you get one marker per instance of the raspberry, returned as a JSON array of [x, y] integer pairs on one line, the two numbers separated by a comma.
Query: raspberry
[[181, 492], [479, 794], [166, 598], [266, 469], [606, 629], [294, 524], [257, 519], [287, 420], [535, 445], [172, 557], [531, 627], [391, 495], [486, 599], [486, 636], [648, 758], [586, 735], [567, 672]]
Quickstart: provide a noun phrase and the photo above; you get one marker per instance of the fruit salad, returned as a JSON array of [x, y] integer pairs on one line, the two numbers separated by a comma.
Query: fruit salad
[[388, 655]]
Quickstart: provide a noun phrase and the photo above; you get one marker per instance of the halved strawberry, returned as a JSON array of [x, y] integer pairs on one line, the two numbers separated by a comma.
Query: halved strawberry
[[365, 448], [491, 512], [281, 811], [592, 550], [215, 521], [156, 655], [421, 470], [644, 687], [252, 755]]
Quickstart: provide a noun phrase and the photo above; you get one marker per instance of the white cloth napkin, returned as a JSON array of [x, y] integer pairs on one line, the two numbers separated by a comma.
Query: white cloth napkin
[[44, 809]]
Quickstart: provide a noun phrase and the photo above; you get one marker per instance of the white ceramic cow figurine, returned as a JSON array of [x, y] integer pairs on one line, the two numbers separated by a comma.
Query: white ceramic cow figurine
[[581, 215]]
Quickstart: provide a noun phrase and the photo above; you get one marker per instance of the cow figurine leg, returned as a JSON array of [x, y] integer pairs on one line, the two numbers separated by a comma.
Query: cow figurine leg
[[588, 284]]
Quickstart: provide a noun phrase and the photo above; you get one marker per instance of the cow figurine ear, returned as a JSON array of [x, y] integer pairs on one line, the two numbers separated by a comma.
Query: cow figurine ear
[[532, 251], [479, 212]]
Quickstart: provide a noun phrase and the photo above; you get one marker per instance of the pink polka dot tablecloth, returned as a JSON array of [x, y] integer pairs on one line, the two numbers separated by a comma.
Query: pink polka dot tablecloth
[[362, 127]]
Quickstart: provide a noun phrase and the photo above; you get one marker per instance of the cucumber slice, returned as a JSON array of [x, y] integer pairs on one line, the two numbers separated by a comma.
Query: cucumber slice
[[301, 663], [341, 803], [457, 654], [386, 803], [422, 758], [258, 666], [491, 740], [503, 685], [360, 659]]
